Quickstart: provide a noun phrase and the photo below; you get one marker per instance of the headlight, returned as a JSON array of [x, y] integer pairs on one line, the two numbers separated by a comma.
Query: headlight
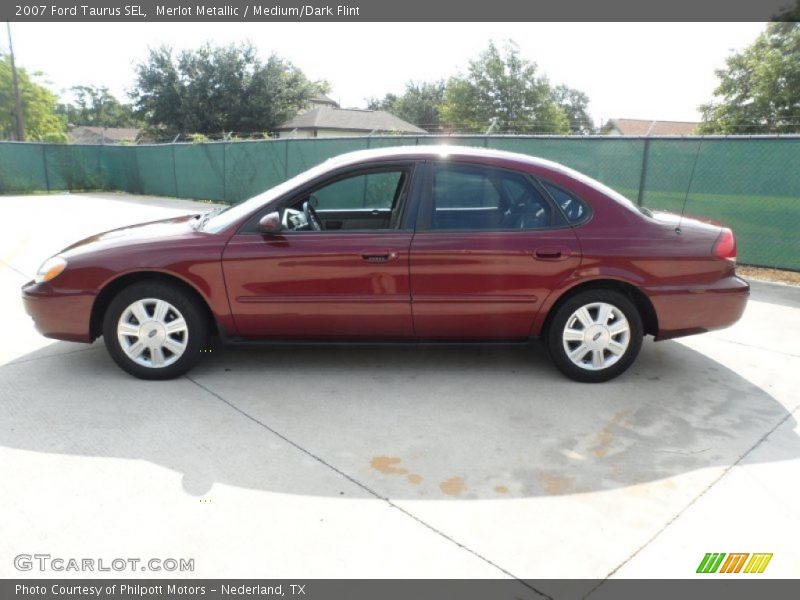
[[50, 269]]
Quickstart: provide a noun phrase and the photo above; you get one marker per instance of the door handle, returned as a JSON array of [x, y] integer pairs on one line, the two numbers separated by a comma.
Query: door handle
[[551, 253], [378, 257]]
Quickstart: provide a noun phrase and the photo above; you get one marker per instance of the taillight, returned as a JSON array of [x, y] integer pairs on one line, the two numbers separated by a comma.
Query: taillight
[[725, 246]]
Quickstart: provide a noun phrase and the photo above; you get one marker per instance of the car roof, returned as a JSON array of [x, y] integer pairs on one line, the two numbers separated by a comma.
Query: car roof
[[473, 154], [439, 151]]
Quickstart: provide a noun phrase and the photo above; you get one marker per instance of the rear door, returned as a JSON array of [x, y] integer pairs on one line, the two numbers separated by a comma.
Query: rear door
[[349, 280], [489, 247]]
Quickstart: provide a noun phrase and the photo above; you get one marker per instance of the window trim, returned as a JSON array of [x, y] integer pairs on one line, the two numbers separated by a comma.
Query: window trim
[[425, 204], [250, 226], [589, 211]]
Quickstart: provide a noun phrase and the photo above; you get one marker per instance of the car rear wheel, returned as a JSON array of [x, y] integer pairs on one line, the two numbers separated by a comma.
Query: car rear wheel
[[595, 335], [155, 330]]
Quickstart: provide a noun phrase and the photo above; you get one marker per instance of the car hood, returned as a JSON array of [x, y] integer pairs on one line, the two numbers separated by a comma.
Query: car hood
[[134, 235]]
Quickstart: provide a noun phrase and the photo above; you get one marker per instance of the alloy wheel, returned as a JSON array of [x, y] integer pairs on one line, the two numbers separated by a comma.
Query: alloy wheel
[[152, 333], [596, 336]]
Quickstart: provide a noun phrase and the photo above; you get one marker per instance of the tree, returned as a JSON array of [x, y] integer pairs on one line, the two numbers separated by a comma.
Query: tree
[[759, 89], [420, 104], [38, 106], [219, 89], [789, 13], [386, 103], [576, 106], [501, 85], [97, 106]]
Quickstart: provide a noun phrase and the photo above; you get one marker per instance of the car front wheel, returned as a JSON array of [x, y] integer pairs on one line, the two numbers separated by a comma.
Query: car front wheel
[[595, 335], [155, 330]]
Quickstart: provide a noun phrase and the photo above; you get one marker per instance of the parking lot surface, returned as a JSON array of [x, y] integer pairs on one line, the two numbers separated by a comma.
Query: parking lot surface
[[302, 461]]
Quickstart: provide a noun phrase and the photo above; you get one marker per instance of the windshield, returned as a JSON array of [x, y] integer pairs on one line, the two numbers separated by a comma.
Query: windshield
[[216, 221]]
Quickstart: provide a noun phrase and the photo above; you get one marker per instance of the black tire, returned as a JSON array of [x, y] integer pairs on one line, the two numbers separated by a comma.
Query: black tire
[[555, 342], [193, 313]]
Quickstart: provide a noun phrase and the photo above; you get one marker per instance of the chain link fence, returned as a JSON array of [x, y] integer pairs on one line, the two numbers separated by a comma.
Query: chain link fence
[[750, 183]]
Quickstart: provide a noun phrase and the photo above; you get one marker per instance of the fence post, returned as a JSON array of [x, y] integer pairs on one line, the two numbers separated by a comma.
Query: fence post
[[286, 160], [224, 172], [175, 171], [44, 164], [643, 176], [100, 179]]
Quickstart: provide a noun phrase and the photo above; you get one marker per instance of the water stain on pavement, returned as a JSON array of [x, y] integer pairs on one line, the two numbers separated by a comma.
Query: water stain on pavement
[[453, 486], [388, 465], [555, 484], [605, 437]]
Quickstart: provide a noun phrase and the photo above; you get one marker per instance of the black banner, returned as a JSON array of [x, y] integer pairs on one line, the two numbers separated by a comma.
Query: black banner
[[730, 588], [400, 11]]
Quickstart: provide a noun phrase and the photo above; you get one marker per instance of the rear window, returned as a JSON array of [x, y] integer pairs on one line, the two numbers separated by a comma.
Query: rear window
[[574, 209]]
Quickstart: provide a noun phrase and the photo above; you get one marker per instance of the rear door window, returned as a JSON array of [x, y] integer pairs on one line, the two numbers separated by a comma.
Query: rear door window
[[474, 197]]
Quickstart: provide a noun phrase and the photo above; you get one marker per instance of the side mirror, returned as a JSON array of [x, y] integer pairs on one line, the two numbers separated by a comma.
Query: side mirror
[[270, 223]]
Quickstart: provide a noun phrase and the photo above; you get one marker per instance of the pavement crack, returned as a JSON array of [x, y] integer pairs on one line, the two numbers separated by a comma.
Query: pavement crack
[[705, 490], [683, 452], [366, 488]]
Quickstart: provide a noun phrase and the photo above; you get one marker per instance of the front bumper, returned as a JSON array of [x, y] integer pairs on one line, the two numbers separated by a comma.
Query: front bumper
[[59, 314], [686, 311]]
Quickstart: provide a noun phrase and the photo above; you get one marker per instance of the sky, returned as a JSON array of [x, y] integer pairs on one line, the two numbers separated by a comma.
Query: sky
[[629, 70]]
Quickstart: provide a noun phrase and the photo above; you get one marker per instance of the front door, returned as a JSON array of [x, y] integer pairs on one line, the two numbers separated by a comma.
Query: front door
[[347, 280]]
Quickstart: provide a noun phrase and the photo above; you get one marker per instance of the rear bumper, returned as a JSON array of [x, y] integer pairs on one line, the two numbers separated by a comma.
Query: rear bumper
[[58, 314], [686, 311]]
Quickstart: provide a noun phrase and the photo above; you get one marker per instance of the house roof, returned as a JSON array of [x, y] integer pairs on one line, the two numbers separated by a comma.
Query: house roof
[[88, 134], [349, 119], [323, 99], [651, 127]]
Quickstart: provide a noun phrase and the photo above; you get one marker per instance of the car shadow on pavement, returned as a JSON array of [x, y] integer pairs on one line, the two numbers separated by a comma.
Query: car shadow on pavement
[[400, 422]]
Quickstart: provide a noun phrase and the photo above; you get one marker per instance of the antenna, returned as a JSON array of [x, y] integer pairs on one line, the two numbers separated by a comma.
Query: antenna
[[689, 187]]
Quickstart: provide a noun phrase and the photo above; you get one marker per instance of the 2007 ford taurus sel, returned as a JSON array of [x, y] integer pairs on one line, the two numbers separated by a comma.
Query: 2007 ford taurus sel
[[420, 243]]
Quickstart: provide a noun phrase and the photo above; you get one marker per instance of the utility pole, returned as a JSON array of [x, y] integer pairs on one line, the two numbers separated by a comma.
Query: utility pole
[[20, 130]]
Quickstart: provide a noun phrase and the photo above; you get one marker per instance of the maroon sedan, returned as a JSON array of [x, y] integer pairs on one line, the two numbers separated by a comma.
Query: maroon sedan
[[419, 243]]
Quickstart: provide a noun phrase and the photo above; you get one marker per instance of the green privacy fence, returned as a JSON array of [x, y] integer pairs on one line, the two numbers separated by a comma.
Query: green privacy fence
[[750, 183]]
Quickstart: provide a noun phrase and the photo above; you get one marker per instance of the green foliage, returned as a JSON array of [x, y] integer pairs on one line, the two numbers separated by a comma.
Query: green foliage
[[789, 13], [759, 90], [420, 104], [219, 89], [38, 106], [386, 103], [501, 85], [576, 105], [198, 138], [54, 137], [96, 106]]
